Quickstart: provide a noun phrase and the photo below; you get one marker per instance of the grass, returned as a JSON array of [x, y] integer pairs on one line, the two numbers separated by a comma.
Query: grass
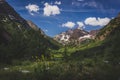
[[86, 69], [70, 50]]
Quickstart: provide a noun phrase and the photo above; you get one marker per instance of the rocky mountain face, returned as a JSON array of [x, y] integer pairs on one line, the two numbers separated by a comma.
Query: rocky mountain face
[[7, 11], [8, 14], [35, 27], [75, 35], [93, 33], [112, 26]]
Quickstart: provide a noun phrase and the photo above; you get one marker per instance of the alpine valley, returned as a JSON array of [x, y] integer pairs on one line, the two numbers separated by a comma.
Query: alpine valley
[[27, 53]]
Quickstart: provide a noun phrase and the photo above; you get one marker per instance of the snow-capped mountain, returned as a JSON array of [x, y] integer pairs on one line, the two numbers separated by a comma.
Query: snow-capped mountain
[[75, 35]]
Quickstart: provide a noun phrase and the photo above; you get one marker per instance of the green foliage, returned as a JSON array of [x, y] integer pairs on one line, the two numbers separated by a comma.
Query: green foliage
[[23, 43], [86, 69]]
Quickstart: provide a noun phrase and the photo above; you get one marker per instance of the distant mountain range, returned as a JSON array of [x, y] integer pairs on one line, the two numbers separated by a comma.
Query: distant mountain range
[[75, 35]]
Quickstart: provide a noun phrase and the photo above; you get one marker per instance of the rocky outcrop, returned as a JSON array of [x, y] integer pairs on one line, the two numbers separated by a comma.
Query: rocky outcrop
[[8, 11], [109, 28]]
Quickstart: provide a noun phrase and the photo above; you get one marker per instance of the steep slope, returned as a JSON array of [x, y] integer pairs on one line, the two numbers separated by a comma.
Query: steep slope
[[34, 26], [8, 11], [4, 36], [8, 14], [94, 33], [108, 29], [21, 39]]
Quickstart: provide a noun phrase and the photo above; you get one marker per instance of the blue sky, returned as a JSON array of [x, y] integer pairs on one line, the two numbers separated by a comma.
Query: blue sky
[[56, 16]]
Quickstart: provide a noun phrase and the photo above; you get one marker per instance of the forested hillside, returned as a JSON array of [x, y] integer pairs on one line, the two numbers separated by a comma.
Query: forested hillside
[[21, 39]]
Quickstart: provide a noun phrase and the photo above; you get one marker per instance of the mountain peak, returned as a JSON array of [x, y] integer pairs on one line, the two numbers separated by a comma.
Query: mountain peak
[[75, 35]]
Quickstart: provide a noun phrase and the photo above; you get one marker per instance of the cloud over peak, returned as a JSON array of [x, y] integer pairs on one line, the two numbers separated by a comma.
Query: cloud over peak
[[80, 25], [93, 21], [32, 8], [69, 24], [51, 9]]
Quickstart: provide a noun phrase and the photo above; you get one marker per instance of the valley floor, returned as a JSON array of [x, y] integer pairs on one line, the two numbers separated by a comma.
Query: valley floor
[[68, 63], [61, 69]]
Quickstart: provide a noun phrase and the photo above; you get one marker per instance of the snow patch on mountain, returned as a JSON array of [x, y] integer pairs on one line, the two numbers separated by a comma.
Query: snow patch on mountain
[[75, 35]]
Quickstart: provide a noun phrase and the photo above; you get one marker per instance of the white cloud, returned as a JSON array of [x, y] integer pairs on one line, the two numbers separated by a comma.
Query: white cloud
[[58, 2], [80, 25], [93, 21], [32, 8], [51, 9], [68, 24]]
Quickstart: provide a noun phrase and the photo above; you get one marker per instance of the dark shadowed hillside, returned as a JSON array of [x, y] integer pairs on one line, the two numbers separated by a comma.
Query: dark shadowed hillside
[[21, 39]]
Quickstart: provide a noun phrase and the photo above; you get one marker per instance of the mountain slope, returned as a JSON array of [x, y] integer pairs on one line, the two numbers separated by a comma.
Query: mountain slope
[[106, 46], [101, 58], [8, 11], [21, 39], [108, 29]]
